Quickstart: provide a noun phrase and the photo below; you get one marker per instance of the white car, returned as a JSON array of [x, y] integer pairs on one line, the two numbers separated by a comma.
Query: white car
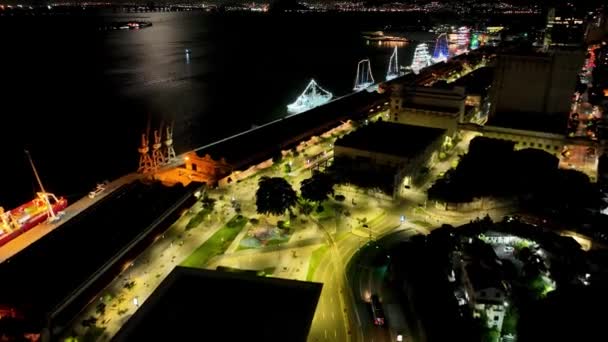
[[99, 189]]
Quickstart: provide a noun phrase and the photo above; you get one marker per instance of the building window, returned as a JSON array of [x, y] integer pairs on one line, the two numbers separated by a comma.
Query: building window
[[547, 146], [496, 318], [496, 294]]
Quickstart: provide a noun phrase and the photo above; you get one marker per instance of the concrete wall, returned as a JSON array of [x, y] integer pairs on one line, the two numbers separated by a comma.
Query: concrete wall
[[520, 84], [407, 106], [564, 70], [414, 117], [370, 157], [536, 83], [549, 142]]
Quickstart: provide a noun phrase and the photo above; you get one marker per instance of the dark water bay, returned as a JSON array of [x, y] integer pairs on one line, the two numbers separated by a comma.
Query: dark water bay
[[78, 98]]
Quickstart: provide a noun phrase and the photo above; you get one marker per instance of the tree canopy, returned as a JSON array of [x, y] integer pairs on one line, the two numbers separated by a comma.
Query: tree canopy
[[317, 188], [493, 168], [274, 196]]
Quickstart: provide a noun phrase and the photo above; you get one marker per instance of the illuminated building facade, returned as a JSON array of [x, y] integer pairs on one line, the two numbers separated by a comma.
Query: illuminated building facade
[[463, 39]]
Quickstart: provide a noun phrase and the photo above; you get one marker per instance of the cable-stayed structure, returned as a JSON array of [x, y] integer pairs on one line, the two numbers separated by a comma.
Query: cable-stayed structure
[[364, 77], [311, 97]]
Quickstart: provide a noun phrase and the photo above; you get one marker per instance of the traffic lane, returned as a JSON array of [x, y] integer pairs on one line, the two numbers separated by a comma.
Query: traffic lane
[[328, 323]]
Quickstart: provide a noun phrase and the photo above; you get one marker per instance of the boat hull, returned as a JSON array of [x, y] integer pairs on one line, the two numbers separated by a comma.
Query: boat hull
[[31, 221]]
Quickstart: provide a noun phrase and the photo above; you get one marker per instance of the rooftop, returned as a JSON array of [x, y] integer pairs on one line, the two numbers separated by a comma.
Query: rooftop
[[391, 138], [537, 122], [432, 108], [194, 305], [260, 144], [71, 254], [477, 82]]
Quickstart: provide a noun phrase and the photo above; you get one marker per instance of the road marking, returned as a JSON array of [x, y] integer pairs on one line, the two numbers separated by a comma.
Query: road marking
[[333, 316], [323, 315], [326, 334], [335, 333]]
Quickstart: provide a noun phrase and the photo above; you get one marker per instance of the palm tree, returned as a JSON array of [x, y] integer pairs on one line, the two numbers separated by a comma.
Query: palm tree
[[274, 196]]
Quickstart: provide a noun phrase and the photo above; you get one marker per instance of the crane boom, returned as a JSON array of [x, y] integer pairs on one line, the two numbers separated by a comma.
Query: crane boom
[[46, 198]]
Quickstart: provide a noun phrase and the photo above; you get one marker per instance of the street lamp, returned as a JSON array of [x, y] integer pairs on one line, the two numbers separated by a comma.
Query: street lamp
[[136, 302]]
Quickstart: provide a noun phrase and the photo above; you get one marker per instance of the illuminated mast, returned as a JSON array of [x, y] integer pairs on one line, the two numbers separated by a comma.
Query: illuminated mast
[[364, 77], [422, 59], [393, 66], [46, 197], [441, 52]]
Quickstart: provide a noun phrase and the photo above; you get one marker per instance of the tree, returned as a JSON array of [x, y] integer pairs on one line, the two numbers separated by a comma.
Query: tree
[[274, 196], [317, 188]]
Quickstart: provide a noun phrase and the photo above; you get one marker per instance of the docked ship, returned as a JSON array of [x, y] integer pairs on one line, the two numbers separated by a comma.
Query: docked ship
[[379, 36], [127, 25], [45, 207], [313, 96], [27, 216]]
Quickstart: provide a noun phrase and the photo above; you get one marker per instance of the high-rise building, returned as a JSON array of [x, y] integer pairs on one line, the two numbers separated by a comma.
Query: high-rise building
[[597, 29], [565, 27], [536, 82]]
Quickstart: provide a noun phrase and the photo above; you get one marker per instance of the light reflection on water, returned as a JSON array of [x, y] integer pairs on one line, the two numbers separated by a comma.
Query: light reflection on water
[[101, 87]]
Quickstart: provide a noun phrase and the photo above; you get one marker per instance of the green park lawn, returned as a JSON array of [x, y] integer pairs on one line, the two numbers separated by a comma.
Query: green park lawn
[[217, 243], [315, 259], [327, 213], [198, 218]]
